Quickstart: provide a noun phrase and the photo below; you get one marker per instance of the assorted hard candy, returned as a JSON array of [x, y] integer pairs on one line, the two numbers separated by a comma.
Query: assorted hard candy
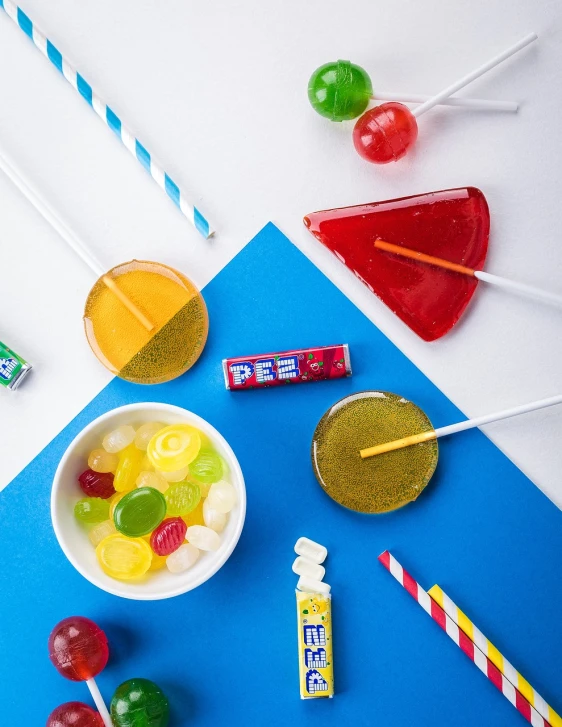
[[155, 496]]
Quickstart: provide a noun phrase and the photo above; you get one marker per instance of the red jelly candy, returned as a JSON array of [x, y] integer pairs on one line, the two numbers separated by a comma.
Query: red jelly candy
[[97, 484], [168, 536], [385, 133], [78, 648], [453, 224], [74, 714]]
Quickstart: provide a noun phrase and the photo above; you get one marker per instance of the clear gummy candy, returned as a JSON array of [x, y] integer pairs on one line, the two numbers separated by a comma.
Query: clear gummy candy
[[145, 433], [213, 518], [203, 537], [182, 558], [222, 496], [118, 439]]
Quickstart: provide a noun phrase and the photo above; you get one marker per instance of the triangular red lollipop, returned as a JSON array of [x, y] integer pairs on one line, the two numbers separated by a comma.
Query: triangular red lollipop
[[453, 224]]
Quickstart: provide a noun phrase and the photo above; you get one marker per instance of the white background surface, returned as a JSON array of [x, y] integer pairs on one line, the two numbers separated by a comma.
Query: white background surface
[[217, 91]]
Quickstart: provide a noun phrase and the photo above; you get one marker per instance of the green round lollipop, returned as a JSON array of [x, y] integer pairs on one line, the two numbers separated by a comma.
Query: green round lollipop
[[340, 91], [139, 512], [376, 484], [139, 703]]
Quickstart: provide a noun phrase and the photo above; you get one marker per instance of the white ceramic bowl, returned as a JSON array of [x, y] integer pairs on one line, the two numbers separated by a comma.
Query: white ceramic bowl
[[73, 537]]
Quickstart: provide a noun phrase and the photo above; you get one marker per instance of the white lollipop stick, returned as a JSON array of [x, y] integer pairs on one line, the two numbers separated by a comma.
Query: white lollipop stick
[[544, 295], [459, 427], [98, 701], [498, 416], [420, 257], [71, 239], [465, 80], [479, 104]]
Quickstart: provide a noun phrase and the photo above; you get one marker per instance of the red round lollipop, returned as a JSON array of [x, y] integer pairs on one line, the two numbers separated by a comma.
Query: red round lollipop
[[74, 714], [385, 133], [78, 648]]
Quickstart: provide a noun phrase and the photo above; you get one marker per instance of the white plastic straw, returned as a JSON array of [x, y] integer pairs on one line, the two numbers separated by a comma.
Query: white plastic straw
[[480, 71]]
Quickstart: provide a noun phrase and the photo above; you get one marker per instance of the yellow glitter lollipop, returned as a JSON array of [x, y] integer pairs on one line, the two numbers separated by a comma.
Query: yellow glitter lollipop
[[145, 321], [380, 484]]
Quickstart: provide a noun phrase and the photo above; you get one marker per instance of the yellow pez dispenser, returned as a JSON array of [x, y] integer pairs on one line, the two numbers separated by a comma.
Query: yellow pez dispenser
[[314, 619], [316, 667]]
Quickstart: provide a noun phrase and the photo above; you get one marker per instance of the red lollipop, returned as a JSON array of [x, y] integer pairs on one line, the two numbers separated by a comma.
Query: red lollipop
[[387, 132], [74, 714], [79, 652]]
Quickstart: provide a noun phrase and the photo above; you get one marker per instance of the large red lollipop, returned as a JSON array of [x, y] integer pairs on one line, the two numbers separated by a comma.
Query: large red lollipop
[[423, 255], [79, 652], [385, 133]]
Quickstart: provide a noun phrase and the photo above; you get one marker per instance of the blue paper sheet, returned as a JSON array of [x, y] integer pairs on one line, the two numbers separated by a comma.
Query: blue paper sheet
[[226, 653]]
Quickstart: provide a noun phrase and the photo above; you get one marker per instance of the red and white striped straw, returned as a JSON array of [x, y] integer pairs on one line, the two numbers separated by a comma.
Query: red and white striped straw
[[462, 640]]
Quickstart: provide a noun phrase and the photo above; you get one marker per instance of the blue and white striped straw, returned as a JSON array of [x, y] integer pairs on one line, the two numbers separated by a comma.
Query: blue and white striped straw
[[108, 116]]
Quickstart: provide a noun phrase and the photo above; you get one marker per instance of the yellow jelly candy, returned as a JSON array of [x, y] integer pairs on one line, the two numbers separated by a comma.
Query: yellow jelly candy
[[124, 558], [174, 447], [158, 562], [154, 480], [113, 503], [102, 461], [128, 469], [195, 517]]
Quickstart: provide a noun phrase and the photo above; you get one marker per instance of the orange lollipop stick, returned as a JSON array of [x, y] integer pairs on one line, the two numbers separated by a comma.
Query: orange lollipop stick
[[530, 290], [422, 257]]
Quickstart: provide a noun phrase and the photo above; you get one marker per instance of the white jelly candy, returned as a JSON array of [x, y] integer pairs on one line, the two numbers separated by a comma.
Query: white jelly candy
[[202, 537], [182, 558], [309, 549], [305, 567], [312, 586], [145, 433], [213, 518], [176, 476], [222, 496], [118, 439]]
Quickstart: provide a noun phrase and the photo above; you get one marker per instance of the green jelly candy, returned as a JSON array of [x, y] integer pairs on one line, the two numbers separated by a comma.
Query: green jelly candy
[[182, 498], [206, 467], [340, 91], [139, 512], [91, 510], [139, 703]]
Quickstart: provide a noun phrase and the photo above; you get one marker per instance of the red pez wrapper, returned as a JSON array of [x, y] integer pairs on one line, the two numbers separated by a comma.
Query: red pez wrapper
[[287, 367]]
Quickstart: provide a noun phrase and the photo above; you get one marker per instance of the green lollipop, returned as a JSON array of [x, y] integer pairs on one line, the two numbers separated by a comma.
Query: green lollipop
[[139, 703], [139, 512], [340, 91]]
